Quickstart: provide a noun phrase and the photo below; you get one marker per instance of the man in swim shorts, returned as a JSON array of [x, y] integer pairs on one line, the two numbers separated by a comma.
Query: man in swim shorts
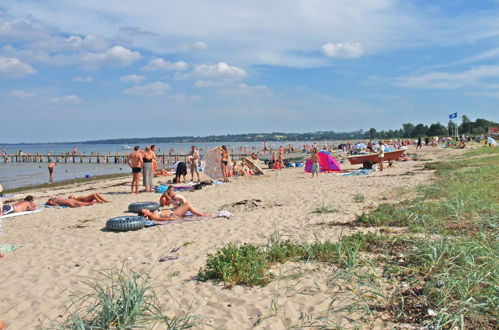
[[167, 215], [194, 162], [27, 204], [135, 162]]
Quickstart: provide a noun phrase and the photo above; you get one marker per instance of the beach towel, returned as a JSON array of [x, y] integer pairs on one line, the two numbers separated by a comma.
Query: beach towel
[[6, 248], [224, 214], [15, 214], [55, 206]]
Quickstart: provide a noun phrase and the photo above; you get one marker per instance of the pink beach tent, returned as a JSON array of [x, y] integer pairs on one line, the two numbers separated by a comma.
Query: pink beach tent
[[327, 163]]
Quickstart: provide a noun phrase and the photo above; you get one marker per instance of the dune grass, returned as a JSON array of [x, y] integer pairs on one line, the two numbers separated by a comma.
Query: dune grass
[[325, 208], [454, 269], [121, 300]]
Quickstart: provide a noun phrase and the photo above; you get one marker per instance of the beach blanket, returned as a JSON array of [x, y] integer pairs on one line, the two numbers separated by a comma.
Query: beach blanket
[[6, 248], [55, 206], [354, 172], [15, 214]]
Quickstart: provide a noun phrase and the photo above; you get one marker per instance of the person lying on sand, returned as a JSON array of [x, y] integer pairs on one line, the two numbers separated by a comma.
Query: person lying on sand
[[170, 197], [67, 202], [25, 205], [90, 198], [168, 215]]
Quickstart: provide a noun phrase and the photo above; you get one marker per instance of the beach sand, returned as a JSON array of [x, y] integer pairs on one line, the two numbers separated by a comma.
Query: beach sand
[[60, 247]]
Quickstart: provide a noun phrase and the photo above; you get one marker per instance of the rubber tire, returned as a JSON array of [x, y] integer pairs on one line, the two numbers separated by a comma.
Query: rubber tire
[[271, 164], [136, 207], [367, 165], [126, 223]]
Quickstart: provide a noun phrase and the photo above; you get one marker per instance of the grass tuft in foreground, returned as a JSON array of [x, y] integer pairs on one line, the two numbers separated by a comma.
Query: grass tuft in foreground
[[120, 300], [324, 208]]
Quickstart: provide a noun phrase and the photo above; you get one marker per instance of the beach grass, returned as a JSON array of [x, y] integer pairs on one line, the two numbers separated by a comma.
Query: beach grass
[[250, 265], [451, 270], [120, 299], [325, 208], [66, 183]]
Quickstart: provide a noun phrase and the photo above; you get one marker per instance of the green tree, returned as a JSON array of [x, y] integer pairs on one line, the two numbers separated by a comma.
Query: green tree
[[451, 128], [408, 130], [437, 130], [420, 130]]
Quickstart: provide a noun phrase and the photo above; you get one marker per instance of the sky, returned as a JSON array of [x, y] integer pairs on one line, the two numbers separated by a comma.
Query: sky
[[85, 70]]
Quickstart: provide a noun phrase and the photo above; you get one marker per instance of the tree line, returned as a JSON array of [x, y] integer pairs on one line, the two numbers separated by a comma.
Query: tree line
[[408, 130]]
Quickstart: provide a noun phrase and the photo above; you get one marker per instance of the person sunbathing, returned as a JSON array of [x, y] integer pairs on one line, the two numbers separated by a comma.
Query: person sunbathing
[[27, 204], [90, 198], [170, 197], [67, 202], [167, 215]]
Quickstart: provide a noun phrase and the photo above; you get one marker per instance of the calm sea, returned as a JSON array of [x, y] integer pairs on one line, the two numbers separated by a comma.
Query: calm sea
[[14, 175]]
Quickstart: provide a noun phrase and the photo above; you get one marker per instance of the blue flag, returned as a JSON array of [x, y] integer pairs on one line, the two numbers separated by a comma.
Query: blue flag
[[453, 115]]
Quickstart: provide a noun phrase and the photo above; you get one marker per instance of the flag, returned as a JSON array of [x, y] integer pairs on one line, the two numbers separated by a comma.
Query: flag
[[453, 115]]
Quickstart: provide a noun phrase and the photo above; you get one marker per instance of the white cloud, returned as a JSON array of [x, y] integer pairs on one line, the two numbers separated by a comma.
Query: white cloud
[[243, 89], [153, 89], [86, 79], [200, 45], [22, 29], [133, 78], [442, 80], [344, 50], [161, 64], [67, 99], [13, 67], [72, 43], [217, 75], [117, 55], [22, 94], [221, 70]]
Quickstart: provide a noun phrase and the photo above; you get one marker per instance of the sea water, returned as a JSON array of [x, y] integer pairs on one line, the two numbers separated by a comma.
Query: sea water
[[13, 175]]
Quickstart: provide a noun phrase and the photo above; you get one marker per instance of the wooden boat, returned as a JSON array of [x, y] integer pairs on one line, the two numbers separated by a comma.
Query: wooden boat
[[373, 158]]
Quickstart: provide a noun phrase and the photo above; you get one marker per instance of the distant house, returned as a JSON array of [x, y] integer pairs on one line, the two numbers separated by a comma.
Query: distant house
[[494, 130]]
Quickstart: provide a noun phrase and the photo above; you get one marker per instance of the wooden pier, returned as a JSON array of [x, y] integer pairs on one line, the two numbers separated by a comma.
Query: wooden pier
[[95, 158]]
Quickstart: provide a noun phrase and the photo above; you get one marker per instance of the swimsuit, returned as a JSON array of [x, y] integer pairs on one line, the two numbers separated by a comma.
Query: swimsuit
[[8, 209], [225, 162], [147, 160], [51, 170], [315, 167], [136, 169]]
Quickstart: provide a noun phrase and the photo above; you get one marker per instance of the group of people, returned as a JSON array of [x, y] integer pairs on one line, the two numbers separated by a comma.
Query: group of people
[[144, 162]]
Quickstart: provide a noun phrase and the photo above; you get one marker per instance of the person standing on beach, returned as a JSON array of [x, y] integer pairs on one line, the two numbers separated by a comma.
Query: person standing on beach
[[315, 163], [135, 162], [155, 160], [281, 157], [381, 154], [225, 163], [148, 157], [194, 162], [420, 143], [51, 168]]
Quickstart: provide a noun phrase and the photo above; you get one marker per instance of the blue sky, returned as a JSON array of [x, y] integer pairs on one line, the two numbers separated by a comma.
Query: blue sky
[[81, 70]]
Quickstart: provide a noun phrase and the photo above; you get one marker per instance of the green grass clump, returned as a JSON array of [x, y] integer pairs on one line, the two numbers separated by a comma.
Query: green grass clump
[[323, 208], [120, 300], [359, 198], [245, 264], [249, 265]]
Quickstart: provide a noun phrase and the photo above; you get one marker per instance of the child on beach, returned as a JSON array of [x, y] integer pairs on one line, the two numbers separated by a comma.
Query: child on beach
[[169, 197], [315, 163]]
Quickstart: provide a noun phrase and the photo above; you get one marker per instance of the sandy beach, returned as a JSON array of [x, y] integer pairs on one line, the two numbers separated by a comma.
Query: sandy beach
[[60, 247]]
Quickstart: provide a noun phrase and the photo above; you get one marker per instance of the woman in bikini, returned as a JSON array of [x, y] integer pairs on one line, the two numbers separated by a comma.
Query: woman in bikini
[[225, 163], [167, 215], [90, 198]]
